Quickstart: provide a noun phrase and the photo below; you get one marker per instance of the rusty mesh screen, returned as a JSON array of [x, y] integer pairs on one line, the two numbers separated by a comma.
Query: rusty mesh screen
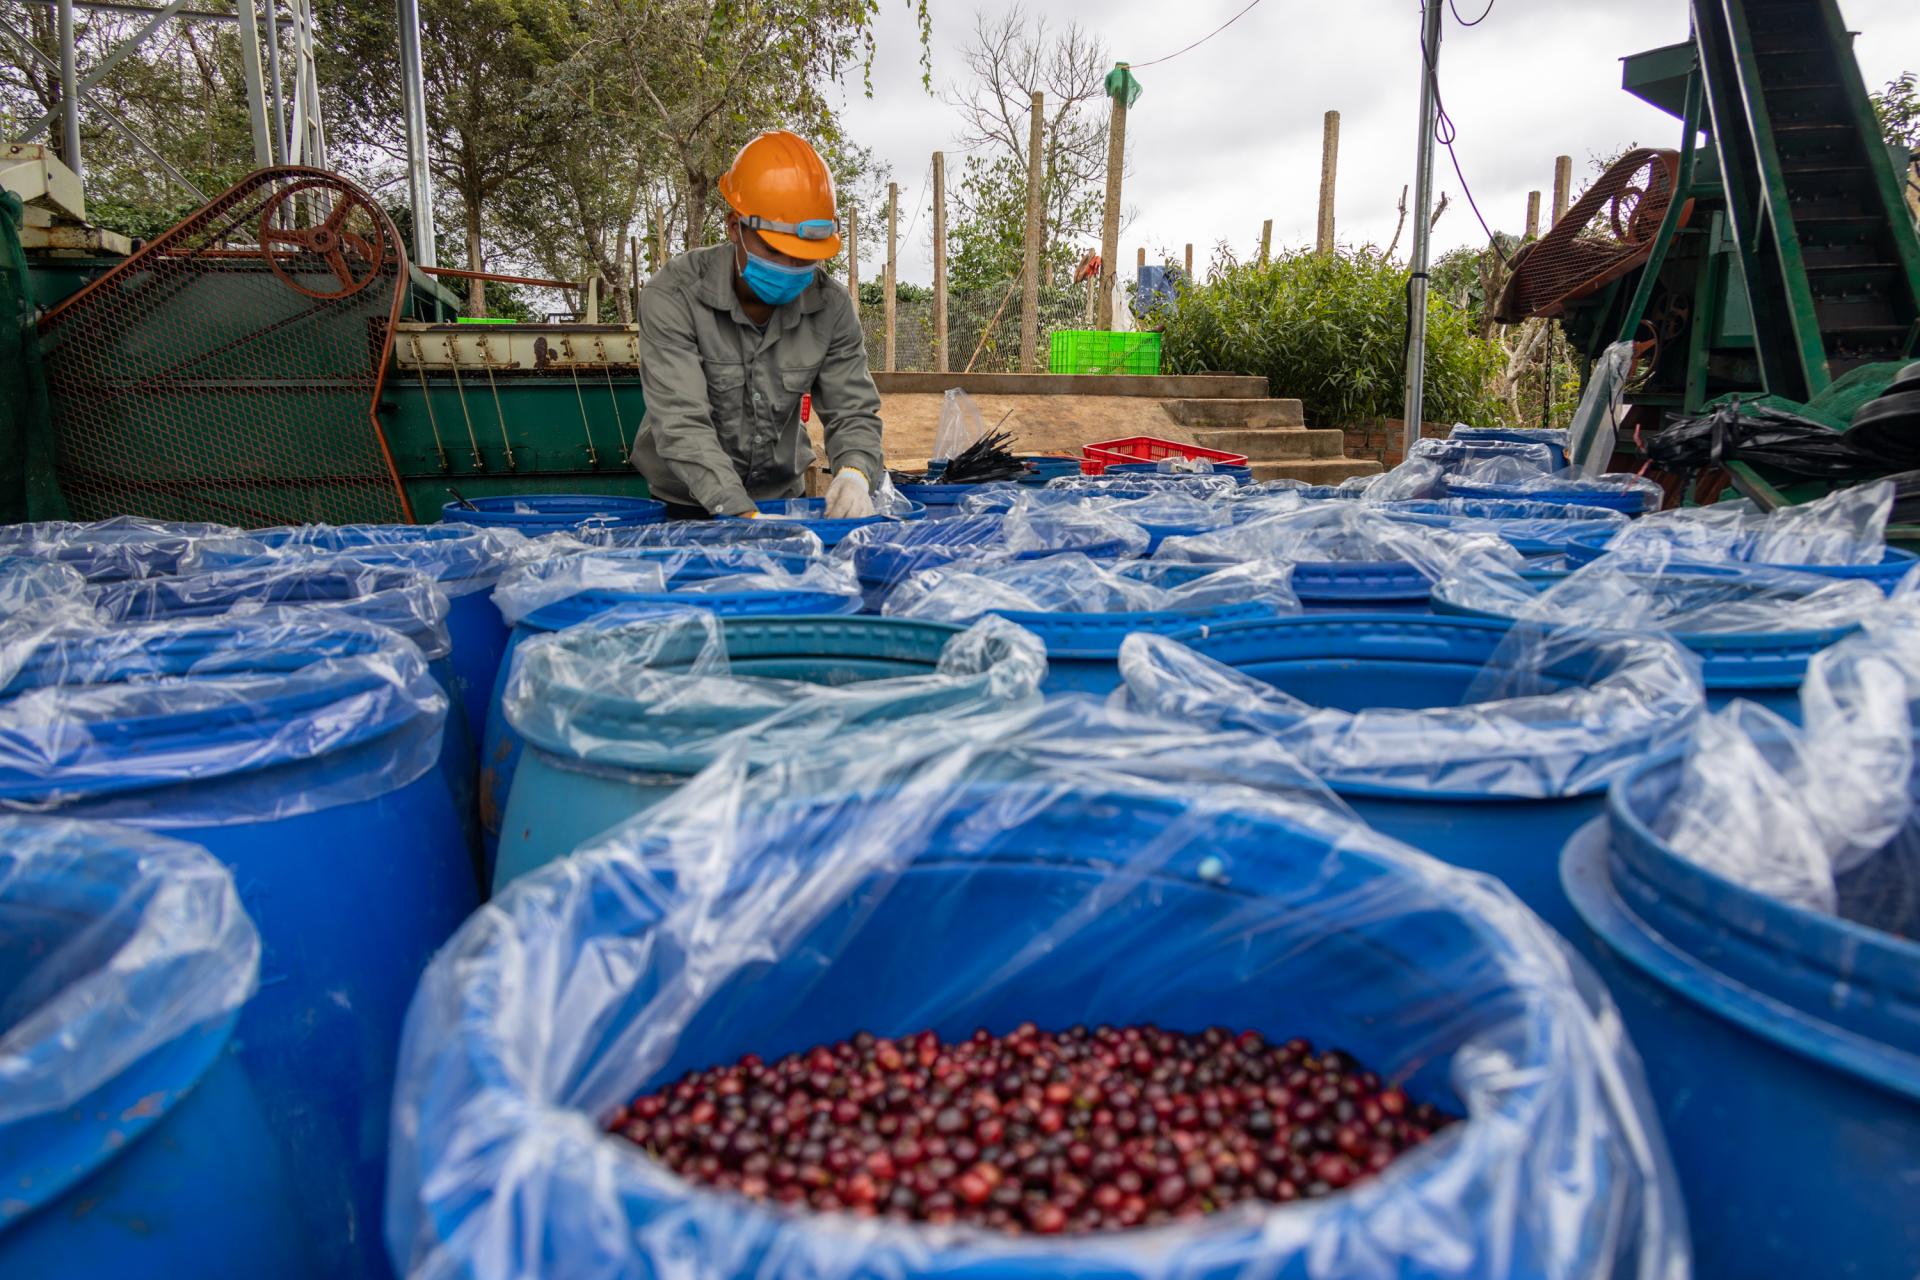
[[1608, 232], [230, 369]]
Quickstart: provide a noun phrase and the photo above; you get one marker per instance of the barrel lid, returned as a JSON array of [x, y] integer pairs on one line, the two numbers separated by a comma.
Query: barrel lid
[[1589, 545], [549, 511]]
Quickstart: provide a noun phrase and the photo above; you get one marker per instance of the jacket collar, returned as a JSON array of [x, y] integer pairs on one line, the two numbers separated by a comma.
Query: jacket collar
[[716, 289]]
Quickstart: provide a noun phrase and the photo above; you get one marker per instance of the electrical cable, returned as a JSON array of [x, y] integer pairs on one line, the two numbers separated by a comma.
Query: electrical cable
[[1451, 4], [1445, 132], [1137, 66]]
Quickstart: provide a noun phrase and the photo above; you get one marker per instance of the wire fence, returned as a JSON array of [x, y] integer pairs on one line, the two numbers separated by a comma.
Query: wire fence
[[977, 322]]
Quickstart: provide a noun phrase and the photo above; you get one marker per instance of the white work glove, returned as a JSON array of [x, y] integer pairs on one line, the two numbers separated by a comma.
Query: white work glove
[[849, 497]]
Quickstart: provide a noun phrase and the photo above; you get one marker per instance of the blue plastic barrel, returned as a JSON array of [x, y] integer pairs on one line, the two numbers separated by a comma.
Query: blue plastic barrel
[[536, 513], [886, 557], [1782, 1047], [811, 514], [1764, 667], [465, 562], [1083, 649], [1360, 662], [1241, 474], [1042, 467], [395, 597], [1631, 501], [133, 1141], [109, 550], [935, 496], [1534, 529], [560, 798], [302, 755], [1554, 438], [1590, 545], [1260, 924], [1376, 586], [500, 745]]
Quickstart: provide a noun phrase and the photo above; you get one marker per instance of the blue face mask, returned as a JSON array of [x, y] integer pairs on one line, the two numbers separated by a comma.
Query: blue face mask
[[772, 283]]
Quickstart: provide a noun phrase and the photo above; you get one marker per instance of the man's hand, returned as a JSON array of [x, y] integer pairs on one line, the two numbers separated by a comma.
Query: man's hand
[[849, 497]]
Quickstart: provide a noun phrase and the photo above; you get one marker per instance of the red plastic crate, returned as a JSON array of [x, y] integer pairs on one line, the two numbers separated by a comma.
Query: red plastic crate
[[1150, 449]]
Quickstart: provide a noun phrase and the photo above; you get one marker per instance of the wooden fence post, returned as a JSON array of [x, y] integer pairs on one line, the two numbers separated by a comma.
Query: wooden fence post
[[1030, 259], [1562, 186], [853, 255], [1189, 262], [1533, 215], [893, 264], [940, 261], [1266, 241], [1329, 163], [1110, 224]]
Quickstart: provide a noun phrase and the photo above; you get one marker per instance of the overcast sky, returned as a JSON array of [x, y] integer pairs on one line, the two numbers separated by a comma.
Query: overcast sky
[[1229, 134]]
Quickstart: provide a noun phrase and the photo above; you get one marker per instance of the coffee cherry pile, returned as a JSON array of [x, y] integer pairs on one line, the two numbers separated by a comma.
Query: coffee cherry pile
[[1036, 1131]]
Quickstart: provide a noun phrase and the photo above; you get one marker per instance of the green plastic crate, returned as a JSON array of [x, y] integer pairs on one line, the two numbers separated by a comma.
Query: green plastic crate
[[1099, 351]]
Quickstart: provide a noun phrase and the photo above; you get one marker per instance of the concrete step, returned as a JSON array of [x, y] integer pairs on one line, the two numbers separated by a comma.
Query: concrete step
[[1223, 411], [1316, 470], [1271, 444]]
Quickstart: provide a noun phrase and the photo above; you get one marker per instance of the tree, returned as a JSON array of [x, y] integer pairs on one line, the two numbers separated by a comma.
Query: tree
[[1009, 59], [483, 63], [709, 74]]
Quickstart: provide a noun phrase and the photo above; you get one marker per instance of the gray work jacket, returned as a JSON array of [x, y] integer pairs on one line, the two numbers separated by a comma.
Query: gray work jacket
[[723, 427]]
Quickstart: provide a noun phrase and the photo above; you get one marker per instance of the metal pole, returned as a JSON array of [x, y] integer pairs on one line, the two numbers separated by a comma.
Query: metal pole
[[1422, 217], [273, 73], [256, 87], [414, 102], [69, 92]]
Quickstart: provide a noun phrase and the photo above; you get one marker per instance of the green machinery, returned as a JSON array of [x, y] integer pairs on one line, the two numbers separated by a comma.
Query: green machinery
[[1777, 259]]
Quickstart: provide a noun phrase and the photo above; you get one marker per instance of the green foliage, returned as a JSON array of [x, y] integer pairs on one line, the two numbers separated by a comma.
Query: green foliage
[[1332, 331], [873, 293], [1898, 109]]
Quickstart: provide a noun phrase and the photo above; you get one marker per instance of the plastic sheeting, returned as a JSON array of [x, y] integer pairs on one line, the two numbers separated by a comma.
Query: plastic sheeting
[[533, 585], [1847, 527], [27, 583], [1342, 531], [208, 707], [123, 547], [1193, 484], [1461, 456], [1150, 508], [775, 537], [1807, 814], [1551, 714], [567, 688], [1074, 583], [399, 598], [462, 558], [1522, 480], [1516, 522], [1650, 592], [690, 935], [120, 942], [889, 552]]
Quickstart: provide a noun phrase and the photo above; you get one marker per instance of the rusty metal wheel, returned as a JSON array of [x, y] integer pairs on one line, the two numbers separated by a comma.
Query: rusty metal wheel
[[348, 242]]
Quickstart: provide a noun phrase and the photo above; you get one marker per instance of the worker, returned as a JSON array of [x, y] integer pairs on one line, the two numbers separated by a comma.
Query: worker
[[735, 338]]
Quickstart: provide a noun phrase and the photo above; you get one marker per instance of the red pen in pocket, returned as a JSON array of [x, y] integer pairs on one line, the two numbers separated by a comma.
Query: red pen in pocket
[[806, 405]]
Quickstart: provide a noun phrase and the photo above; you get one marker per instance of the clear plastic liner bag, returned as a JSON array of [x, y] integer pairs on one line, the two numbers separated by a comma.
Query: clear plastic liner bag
[[1813, 814], [28, 583], [1650, 591], [1141, 482], [778, 538], [1153, 507], [1075, 583], [1847, 527], [122, 547], [960, 426], [614, 576], [1506, 473], [998, 869], [1596, 420], [1341, 531], [1457, 456], [463, 559], [1515, 521], [1551, 714], [1413, 479], [582, 690], [1551, 436], [889, 501], [94, 721], [402, 599], [117, 942]]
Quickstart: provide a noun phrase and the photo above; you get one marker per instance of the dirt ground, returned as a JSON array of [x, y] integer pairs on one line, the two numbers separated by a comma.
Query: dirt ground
[[1041, 424]]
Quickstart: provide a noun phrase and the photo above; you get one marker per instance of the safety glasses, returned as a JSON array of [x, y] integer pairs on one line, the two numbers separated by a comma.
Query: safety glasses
[[811, 229]]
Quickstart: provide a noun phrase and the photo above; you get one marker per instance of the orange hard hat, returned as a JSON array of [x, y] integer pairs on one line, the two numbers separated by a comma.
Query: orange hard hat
[[780, 187]]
